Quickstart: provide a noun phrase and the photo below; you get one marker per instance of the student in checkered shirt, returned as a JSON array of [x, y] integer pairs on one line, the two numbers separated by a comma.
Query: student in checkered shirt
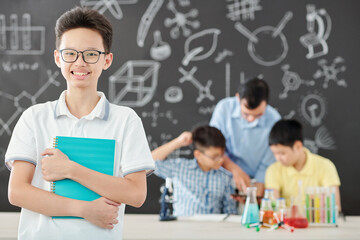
[[201, 185]]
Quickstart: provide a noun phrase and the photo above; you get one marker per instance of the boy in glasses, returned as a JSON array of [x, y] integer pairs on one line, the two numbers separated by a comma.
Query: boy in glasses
[[83, 41], [201, 185]]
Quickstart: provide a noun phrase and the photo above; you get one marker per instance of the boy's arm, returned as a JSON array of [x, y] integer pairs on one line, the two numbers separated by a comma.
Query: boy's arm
[[241, 179], [101, 212], [163, 151], [130, 190]]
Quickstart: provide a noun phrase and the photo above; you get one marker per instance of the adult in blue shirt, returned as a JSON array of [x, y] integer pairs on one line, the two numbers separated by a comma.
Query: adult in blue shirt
[[246, 120]]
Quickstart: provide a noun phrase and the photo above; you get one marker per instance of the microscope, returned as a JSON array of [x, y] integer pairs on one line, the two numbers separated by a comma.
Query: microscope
[[166, 201], [319, 28]]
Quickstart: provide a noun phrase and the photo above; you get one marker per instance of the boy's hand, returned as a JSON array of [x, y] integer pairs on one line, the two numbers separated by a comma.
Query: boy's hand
[[56, 165], [102, 212], [184, 139]]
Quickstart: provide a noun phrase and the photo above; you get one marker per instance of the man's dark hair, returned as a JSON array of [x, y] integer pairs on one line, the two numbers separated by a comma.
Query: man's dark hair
[[254, 91], [80, 17], [286, 132], [207, 136]]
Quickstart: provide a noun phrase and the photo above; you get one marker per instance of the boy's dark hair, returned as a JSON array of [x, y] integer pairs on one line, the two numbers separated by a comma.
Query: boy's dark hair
[[80, 17], [207, 136], [286, 132], [254, 91]]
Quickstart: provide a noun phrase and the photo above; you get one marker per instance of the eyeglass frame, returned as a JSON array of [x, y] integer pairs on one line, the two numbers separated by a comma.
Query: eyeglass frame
[[216, 159], [82, 54]]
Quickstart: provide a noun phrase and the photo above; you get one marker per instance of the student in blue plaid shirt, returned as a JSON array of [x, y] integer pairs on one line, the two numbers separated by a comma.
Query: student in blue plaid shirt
[[201, 185]]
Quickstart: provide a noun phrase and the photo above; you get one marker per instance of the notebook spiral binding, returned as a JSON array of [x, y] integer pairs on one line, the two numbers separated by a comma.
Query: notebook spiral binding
[[52, 184]]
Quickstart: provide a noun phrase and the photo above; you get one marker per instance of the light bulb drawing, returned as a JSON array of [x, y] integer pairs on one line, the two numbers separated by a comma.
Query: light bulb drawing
[[313, 109]]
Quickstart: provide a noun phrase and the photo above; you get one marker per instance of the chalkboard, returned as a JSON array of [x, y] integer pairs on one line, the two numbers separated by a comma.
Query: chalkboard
[[175, 59]]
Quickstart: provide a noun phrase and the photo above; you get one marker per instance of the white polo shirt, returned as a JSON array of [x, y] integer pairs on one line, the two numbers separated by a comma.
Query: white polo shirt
[[35, 132]]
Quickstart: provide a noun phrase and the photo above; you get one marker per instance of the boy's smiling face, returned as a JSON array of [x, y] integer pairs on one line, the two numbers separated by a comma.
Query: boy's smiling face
[[80, 74]]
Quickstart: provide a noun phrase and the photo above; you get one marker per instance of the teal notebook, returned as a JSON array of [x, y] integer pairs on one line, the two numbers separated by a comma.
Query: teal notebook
[[93, 153]]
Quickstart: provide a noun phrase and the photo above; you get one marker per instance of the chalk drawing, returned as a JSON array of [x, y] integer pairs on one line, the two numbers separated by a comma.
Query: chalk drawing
[[181, 21], [204, 91], [319, 28], [266, 35], [134, 84]]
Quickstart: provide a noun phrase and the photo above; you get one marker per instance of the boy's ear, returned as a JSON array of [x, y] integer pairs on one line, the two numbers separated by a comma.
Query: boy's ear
[[196, 153], [237, 96], [298, 145], [57, 58], [108, 61]]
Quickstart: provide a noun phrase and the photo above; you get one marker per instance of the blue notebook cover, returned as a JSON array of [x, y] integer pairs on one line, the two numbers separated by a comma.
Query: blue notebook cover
[[96, 154]]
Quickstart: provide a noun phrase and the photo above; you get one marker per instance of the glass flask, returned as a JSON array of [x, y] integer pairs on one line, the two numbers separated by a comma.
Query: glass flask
[[269, 194], [266, 212], [251, 209]]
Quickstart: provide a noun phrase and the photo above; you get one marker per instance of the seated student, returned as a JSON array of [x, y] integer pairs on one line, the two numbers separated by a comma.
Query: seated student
[[201, 185], [296, 163]]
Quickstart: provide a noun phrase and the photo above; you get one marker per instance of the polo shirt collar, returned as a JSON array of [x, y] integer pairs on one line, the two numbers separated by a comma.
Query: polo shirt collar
[[100, 111], [308, 168]]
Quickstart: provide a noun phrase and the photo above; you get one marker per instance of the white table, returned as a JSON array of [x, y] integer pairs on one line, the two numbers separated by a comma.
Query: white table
[[139, 227]]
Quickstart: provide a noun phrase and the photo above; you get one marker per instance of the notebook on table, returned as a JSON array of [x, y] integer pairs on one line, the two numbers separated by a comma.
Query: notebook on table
[[92, 153]]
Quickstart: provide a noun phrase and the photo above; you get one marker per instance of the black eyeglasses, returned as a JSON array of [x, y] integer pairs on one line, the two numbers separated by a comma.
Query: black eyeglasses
[[89, 56]]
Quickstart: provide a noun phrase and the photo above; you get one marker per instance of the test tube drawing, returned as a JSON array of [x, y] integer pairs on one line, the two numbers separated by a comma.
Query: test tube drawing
[[26, 34], [2, 32], [14, 34], [21, 39]]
